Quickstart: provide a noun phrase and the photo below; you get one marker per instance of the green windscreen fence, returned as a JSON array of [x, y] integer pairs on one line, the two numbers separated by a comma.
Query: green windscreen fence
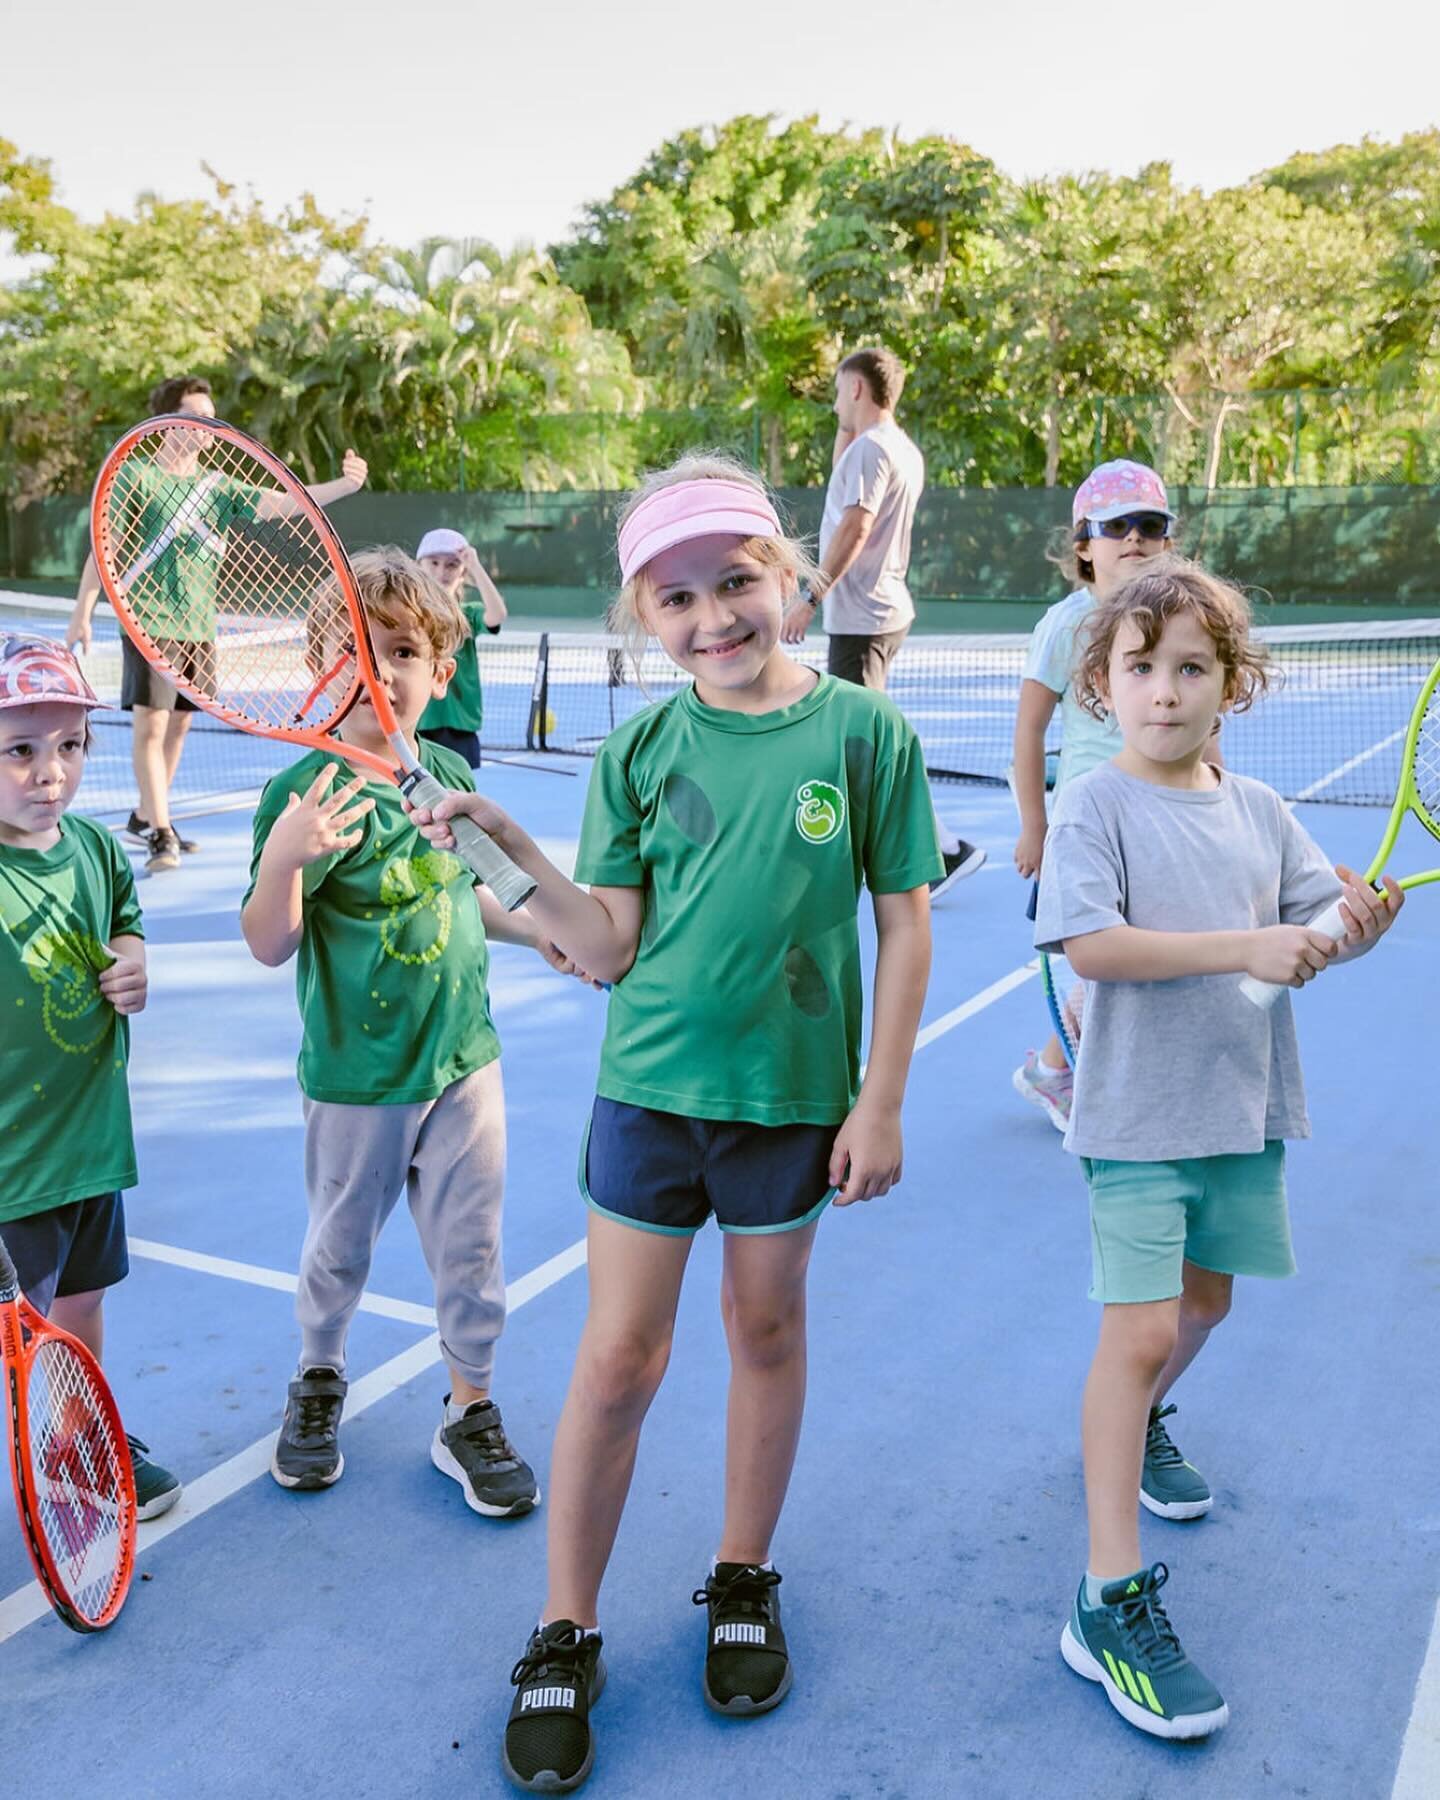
[[1350, 547]]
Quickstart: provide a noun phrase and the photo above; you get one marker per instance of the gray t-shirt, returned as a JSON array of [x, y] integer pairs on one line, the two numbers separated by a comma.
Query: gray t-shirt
[[1169, 1069], [884, 472]]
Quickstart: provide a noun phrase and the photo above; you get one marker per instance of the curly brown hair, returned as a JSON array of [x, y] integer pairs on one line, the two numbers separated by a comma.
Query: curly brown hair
[[397, 592], [1168, 587]]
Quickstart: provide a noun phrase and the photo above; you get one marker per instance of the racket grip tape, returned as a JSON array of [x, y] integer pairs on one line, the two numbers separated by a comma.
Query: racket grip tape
[[1264, 994], [510, 885]]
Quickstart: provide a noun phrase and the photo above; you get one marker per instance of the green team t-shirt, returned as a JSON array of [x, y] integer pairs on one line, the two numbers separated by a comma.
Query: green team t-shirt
[[176, 572], [461, 706], [64, 1103], [391, 970], [751, 837]]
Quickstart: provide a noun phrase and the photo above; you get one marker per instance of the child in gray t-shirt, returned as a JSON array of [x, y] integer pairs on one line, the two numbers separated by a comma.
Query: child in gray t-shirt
[[1165, 881]]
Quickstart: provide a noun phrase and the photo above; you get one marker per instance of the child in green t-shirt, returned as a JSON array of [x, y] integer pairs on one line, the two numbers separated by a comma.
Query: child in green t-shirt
[[728, 831], [72, 970], [399, 1060], [454, 719]]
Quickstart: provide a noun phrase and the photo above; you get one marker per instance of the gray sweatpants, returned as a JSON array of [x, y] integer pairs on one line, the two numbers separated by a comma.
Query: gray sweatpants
[[448, 1154]]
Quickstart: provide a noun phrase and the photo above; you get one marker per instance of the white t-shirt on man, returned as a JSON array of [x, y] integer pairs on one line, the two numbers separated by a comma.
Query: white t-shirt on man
[[884, 472]]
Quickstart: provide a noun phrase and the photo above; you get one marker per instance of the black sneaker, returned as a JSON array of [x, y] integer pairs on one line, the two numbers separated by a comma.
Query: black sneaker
[[164, 850], [965, 860], [307, 1454], [548, 1747], [747, 1665], [156, 1489], [138, 829], [476, 1452]]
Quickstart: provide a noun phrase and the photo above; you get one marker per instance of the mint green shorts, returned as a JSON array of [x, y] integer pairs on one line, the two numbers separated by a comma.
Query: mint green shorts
[[1148, 1219]]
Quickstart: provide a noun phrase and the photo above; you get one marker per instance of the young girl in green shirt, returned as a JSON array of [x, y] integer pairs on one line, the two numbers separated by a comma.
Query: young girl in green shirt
[[728, 831]]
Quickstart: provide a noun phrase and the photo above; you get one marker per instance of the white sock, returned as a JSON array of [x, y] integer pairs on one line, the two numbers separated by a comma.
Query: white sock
[[456, 1410], [949, 843], [584, 1630], [715, 1563]]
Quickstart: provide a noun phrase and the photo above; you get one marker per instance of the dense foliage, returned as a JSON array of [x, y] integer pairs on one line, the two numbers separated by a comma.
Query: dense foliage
[[1286, 330]]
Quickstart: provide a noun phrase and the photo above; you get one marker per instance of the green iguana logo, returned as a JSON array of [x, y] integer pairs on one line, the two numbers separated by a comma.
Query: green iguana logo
[[820, 812], [65, 964]]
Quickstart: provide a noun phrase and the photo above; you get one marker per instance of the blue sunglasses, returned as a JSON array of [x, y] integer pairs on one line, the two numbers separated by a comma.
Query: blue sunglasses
[[1151, 525]]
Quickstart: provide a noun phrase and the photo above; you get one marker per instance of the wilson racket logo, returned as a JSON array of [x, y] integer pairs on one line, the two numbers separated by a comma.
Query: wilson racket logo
[[820, 812]]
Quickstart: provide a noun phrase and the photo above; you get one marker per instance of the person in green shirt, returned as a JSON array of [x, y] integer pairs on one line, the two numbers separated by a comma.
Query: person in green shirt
[[399, 1061], [72, 971], [177, 598], [454, 719], [728, 831]]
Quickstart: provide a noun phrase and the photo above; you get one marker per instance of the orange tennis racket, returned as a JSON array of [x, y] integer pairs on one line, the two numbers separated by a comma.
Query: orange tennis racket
[[74, 1479], [229, 579]]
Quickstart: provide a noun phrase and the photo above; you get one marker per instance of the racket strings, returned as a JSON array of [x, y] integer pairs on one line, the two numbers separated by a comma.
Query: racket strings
[[77, 1479], [196, 530], [1427, 760]]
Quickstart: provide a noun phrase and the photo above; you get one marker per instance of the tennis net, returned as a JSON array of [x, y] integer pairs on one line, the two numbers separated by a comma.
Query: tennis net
[[1331, 729]]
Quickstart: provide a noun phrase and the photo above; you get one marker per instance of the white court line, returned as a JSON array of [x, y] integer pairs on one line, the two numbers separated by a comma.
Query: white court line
[[1418, 1776], [283, 1283], [28, 1604], [1316, 787]]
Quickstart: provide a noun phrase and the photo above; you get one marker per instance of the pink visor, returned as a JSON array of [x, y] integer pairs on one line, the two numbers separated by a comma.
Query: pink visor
[[692, 509]]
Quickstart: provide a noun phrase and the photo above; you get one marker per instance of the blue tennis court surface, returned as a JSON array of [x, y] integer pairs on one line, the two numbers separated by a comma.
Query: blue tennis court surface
[[357, 1642]]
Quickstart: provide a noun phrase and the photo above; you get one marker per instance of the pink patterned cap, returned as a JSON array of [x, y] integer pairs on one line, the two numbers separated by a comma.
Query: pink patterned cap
[[1116, 488], [34, 670], [691, 509]]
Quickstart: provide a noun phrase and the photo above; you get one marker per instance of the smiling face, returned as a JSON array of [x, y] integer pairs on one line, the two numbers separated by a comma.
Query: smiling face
[[42, 757], [1166, 698], [717, 613], [1115, 560]]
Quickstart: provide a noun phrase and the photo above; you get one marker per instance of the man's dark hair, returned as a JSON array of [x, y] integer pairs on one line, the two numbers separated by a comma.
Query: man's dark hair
[[165, 396], [883, 371]]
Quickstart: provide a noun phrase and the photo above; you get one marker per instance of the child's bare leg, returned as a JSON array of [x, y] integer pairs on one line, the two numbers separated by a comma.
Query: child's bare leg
[[463, 1392], [1136, 1343], [1052, 1055], [147, 747], [177, 728], [763, 1302], [1204, 1303], [83, 1316], [635, 1281]]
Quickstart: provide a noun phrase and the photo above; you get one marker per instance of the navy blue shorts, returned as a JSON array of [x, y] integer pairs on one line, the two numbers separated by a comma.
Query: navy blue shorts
[[662, 1172], [463, 743], [69, 1249]]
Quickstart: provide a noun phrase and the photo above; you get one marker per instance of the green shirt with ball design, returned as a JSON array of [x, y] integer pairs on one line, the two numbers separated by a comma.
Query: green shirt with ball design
[[65, 1129], [392, 969], [752, 836]]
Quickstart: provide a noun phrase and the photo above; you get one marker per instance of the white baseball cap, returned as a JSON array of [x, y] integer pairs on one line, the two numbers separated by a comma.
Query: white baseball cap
[[442, 542]]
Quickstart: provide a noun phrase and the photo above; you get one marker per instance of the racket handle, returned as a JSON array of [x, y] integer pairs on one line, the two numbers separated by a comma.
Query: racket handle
[[510, 885], [1264, 994]]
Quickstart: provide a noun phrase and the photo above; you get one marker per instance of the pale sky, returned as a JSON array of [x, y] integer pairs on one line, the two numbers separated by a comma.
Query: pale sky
[[500, 120]]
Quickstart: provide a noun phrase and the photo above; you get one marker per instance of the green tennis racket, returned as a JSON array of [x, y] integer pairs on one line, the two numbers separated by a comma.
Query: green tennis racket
[[1418, 795]]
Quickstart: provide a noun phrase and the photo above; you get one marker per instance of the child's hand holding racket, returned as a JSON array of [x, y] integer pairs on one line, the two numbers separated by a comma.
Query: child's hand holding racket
[[319, 824], [1368, 914], [125, 984], [1288, 955], [434, 823], [868, 1154]]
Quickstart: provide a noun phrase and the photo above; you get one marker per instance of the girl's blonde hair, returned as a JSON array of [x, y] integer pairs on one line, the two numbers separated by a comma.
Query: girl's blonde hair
[[1168, 587], [625, 617]]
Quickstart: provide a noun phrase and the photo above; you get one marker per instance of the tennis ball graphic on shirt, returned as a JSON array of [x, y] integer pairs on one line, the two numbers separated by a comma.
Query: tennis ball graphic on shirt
[[419, 912], [820, 812], [65, 965]]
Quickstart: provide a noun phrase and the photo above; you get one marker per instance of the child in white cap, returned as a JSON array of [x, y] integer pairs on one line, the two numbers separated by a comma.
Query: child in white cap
[[454, 720]]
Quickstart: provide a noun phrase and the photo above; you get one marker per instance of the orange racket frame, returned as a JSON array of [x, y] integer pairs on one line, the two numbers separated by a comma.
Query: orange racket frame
[[23, 1331], [510, 884]]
